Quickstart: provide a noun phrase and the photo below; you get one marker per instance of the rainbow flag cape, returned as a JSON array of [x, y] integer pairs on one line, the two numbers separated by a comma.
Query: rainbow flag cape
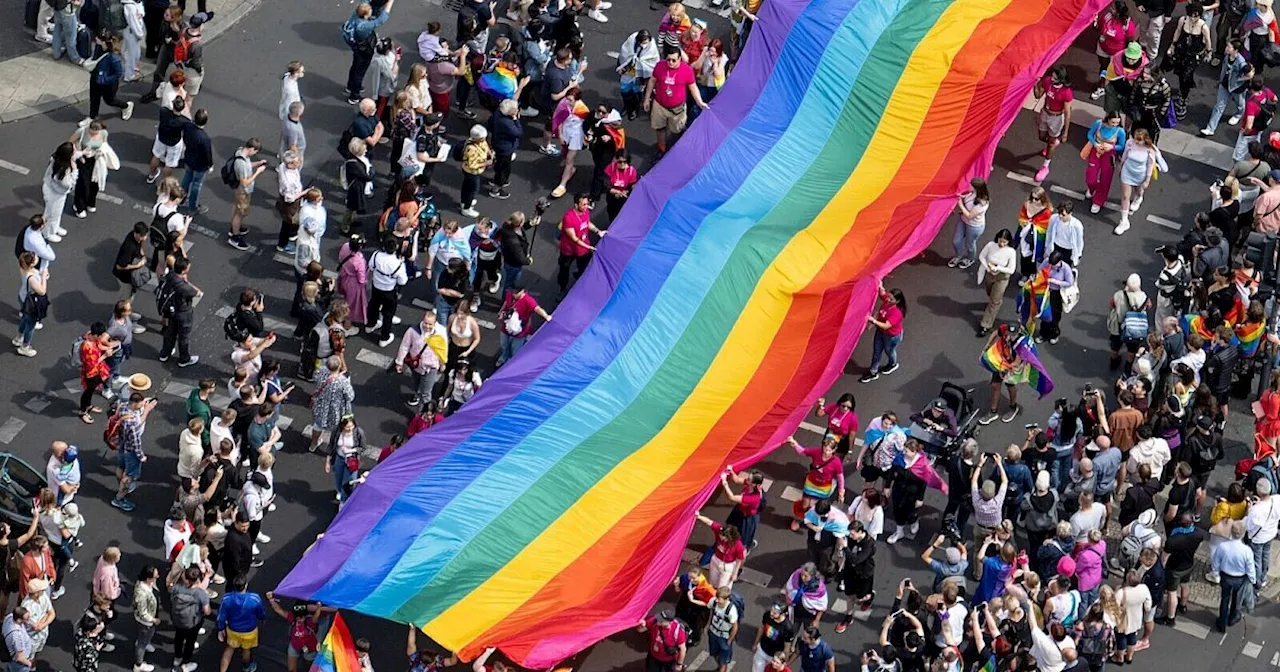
[[1193, 323], [552, 510], [1249, 337], [1036, 376], [500, 82], [1033, 299], [998, 358], [1040, 227], [337, 653], [921, 469], [1019, 363]]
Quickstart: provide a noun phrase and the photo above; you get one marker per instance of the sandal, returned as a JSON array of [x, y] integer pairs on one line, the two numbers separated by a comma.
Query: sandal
[[95, 409], [558, 192], [86, 418]]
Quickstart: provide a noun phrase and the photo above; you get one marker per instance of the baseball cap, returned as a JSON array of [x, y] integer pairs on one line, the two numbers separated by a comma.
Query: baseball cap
[[432, 119], [71, 454], [200, 18], [1275, 175]]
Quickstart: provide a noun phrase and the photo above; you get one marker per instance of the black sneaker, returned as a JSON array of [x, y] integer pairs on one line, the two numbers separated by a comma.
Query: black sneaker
[[465, 114], [500, 194], [868, 377], [1010, 414], [352, 100], [238, 243], [889, 369], [989, 418]]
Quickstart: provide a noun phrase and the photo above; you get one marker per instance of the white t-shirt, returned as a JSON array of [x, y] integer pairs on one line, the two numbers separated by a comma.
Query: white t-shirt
[[1084, 520], [240, 357], [1061, 606], [979, 210], [953, 623], [1136, 602], [722, 619], [872, 519], [1262, 520], [1046, 652]]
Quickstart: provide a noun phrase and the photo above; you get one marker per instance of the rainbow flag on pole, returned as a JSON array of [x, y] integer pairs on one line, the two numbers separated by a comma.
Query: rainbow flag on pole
[[1017, 363], [553, 509], [337, 653], [1033, 300]]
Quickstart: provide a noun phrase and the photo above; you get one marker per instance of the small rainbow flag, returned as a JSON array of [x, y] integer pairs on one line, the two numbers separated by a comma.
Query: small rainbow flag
[[1249, 336], [1193, 323], [1237, 313], [338, 651], [1040, 222], [1033, 299], [500, 82], [1036, 376], [998, 358]]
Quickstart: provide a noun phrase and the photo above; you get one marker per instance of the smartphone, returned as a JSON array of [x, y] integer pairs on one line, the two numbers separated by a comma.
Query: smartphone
[[271, 334]]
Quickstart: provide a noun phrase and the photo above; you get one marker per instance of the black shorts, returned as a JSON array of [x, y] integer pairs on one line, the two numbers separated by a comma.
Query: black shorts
[[857, 587], [1223, 397], [1102, 499], [1173, 579], [1118, 343]]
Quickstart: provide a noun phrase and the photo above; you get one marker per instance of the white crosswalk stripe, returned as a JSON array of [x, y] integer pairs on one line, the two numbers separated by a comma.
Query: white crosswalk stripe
[[9, 430]]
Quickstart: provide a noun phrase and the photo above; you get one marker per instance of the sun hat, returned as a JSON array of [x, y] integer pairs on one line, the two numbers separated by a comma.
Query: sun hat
[[140, 382], [1133, 51]]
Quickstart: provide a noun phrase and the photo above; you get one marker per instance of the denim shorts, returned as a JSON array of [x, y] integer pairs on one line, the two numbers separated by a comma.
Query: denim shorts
[[720, 649], [129, 464], [1124, 641]]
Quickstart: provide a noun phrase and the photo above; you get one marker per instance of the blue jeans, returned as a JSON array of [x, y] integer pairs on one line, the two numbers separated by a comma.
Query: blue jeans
[[1061, 472], [26, 328], [117, 359], [884, 345], [1221, 106], [341, 476], [443, 310], [1229, 599], [509, 276], [192, 182], [510, 345], [966, 240], [707, 93], [64, 36], [1261, 560]]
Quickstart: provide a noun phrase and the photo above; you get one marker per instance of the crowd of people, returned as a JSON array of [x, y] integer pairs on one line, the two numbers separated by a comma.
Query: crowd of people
[[1061, 553]]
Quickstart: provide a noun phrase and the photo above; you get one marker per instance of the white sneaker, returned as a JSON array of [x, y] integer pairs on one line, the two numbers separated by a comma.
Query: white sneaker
[[1095, 208], [26, 351], [151, 648], [55, 238], [1135, 204], [263, 539], [470, 212], [896, 536], [373, 328], [72, 564], [84, 122], [387, 341], [475, 305], [598, 16], [47, 39], [17, 342], [58, 593], [1122, 226], [271, 507], [139, 329], [529, 112], [39, 326], [190, 667], [127, 111], [912, 529], [255, 549], [1097, 93], [145, 667], [1206, 132], [1233, 120], [604, 5], [395, 320]]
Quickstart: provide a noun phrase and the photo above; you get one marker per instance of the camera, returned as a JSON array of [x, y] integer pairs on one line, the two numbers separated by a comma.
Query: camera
[[1032, 425], [300, 608], [541, 206]]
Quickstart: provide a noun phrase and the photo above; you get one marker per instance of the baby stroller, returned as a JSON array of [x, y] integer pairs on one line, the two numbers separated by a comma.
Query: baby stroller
[[944, 444]]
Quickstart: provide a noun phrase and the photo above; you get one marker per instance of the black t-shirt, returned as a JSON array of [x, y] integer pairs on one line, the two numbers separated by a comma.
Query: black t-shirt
[[245, 414], [776, 635], [363, 127], [172, 125], [1182, 550], [456, 282], [130, 253], [251, 321], [1183, 496], [184, 294], [554, 80]]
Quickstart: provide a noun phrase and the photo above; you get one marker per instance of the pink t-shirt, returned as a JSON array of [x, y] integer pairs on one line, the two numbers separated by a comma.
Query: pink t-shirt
[[671, 86], [1055, 97], [1114, 34], [840, 421], [891, 314], [577, 221], [728, 551], [620, 179], [822, 473], [1253, 105]]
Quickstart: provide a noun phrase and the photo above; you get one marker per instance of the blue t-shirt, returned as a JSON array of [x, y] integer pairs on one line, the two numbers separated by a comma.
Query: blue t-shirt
[[814, 658], [241, 612], [994, 573]]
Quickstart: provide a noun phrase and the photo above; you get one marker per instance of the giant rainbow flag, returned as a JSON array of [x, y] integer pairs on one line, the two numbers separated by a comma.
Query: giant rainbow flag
[[552, 511]]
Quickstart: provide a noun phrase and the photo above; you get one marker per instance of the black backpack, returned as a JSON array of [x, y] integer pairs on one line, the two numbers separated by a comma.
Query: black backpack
[[231, 328], [20, 243], [185, 608], [1266, 112], [167, 299], [113, 19], [228, 172]]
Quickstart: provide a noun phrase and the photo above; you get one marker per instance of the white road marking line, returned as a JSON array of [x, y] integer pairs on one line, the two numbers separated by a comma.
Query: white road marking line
[[284, 422], [176, 389], [72, 386], [1166, 223], [9, 430], [611, 54], [766, 484], [37, 404], [792, 494], [1275, 660], [219, 402], [1067, 192], [376, 359], [1194, 629], [698, 660], [111, 199], [324, 434], [1224, 638], [21, 170], [1252, 650], [1025, 179], [286, 259], [840, 606], [755, 577], [810, 427], [224, 312]]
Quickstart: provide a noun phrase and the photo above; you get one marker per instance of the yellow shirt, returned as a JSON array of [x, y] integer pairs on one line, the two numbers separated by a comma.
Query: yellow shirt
[[475, 157], [1224, 509]]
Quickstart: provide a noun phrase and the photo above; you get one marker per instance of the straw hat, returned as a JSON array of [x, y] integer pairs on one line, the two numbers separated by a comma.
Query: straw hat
[[37, 585], [140, 382]]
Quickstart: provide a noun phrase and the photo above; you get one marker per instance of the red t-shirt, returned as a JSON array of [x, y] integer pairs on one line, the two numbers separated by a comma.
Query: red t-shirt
[[728, 552], [1055, 97], [662, 638], [1253, 105], [750, 504], [1113, 34], [893, 315], [524, 307], [671, 86], [577, 221]]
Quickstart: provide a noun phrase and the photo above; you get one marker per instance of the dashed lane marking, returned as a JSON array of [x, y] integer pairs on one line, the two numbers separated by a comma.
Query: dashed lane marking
[[72, 386], [9, 430], [1194, 629], [840, 606], [698, 660], [176, 389], [755, 577], [792, 494], [284, 422], [1275, 659], [1252, 650], [375, 359], [1166, 223], [1025, 179], [21, 170], [766, 484], [38, 403], [111, 199]]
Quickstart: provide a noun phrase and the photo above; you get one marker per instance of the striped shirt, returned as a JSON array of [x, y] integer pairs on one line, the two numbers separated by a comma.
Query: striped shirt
[[988, 513]]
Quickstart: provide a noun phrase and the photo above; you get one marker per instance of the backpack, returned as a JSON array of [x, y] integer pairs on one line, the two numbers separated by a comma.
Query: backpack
[[75, 350], [185, 608], [113, 19], [350, 38], [20, 242], [111, 433], [1131, 547], [158, 235], [1266, 112], [1094, 643], [738, 603], [231, 328], [166, 300], [1133, 324], [183, 46], [228, 172], [1263, 469]]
